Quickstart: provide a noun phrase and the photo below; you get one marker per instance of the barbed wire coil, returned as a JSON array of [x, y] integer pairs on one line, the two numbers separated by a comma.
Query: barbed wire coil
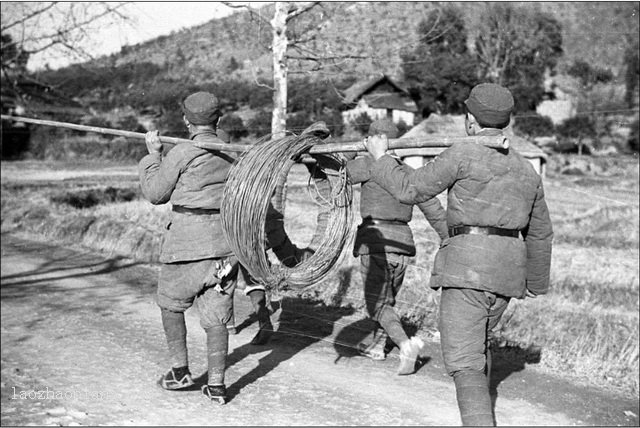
[[251, 185]]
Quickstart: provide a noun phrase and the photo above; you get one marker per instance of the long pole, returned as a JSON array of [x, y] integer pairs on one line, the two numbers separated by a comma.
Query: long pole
[[119, 132], [436, 141]]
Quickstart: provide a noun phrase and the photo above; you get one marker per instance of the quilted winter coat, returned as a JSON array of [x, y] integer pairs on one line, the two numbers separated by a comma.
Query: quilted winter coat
[[486, 187]]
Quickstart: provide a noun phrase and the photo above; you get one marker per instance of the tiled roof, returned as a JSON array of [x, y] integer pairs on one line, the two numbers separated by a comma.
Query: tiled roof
[[391, 101], [358, 89]]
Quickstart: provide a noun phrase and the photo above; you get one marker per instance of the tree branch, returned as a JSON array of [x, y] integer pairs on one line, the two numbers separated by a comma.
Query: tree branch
[[28, 17], [297, 12], [251, 11], [255, 78]]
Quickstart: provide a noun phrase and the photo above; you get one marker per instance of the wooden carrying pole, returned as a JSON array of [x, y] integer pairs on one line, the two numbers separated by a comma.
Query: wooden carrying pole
[[493, 141]]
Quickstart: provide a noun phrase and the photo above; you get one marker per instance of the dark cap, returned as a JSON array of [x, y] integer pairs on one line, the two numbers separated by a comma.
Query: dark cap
[[201, 108], [383, 126], [491, 104]]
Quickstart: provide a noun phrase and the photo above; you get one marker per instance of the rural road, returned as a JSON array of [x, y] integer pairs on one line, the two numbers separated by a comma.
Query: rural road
[[84, 331]]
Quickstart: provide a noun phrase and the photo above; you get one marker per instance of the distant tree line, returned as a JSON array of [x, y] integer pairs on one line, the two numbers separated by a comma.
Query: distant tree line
[[145, 84], [511, 46]]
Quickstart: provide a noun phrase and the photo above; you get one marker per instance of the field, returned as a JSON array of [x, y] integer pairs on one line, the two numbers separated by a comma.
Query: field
[[586, 329]]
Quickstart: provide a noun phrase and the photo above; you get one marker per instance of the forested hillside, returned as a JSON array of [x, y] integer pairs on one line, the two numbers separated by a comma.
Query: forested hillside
[[592, 31]]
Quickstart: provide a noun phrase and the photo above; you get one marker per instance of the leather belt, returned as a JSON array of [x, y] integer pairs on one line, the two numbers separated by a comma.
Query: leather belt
[[484, 230], [373, 221], [194, 211]]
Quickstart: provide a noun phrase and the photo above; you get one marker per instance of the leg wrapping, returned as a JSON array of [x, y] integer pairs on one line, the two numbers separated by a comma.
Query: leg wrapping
[[217, 349], [175, 331], [474, 401]]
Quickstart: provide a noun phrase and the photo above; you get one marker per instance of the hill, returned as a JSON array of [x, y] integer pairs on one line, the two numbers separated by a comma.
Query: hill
[[238, 45]]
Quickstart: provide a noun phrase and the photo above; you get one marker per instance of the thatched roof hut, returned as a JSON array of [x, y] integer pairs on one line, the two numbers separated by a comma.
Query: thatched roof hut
[[449, 125]]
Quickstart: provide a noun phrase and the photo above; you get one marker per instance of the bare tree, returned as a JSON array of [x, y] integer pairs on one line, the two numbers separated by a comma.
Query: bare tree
[[54, 28], [294, 43]]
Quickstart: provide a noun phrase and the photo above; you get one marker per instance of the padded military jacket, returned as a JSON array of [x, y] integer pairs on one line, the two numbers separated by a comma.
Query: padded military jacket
[[486, 187], [393, 235], [192, 178]]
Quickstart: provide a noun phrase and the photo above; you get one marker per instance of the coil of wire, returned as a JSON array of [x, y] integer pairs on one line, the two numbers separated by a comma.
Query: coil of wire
[[248, 193]]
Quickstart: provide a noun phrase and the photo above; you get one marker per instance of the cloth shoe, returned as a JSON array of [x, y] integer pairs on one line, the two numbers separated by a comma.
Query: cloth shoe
[[176, 378], [217, 393], [409, 351], [377, 349], [374, 351]]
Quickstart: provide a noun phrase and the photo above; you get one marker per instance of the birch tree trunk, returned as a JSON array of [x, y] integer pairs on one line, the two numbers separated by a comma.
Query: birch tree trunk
[[279, 25]]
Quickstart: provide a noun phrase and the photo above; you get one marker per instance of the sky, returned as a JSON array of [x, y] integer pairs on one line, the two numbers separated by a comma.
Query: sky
[[158, 18], [148, 20]]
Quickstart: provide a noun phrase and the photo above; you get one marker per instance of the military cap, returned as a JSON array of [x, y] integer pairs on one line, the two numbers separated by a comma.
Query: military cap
[[201, 108], [383, 126], [491, 104]]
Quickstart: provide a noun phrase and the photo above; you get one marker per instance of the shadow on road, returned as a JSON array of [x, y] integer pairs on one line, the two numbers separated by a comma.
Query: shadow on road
[[303, 322], [60, 264], [507, 360], [21, 279]]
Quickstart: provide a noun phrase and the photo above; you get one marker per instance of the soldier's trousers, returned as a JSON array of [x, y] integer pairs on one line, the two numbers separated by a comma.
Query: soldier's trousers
[[466, 319], [383, 274], [180, 286]]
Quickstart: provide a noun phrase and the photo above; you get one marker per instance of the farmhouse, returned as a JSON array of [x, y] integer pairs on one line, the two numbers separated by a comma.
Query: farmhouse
[[33, 99], [449, 125], [379, 97], [561, 93], [29, 98]]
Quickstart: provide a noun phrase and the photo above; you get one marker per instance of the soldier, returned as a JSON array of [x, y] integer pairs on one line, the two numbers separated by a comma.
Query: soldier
[[384, 242], [198, 266], [500, 239]]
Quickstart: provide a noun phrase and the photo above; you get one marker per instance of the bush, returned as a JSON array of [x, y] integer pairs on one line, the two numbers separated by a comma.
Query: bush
[[362, 123], [577, 127], [165, 93], [576, 133], [47, 142], [313, 97], [534, 126], [402, 128], [298, 122], [234, 126], [172, 124], [87, 198], [333, 119], [130, 123], [260, 124], [260, 98]]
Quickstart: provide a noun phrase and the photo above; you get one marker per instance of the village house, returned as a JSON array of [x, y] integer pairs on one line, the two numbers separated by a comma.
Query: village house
[[34, 99], [29, 98], [561, 94], [380, 98], [453, 126]]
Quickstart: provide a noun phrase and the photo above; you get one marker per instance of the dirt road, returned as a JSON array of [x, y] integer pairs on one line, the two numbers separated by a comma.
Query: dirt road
[[82, 344]]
